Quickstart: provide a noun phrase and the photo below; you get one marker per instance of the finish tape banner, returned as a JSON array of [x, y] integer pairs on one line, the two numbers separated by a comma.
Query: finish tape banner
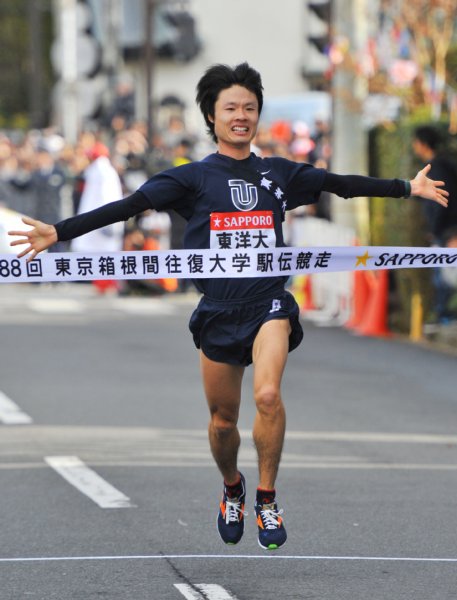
[[207, 264]]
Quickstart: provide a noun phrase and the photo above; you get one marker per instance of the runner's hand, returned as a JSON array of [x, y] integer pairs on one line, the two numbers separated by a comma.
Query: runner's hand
[[40, 237], [424, 187]]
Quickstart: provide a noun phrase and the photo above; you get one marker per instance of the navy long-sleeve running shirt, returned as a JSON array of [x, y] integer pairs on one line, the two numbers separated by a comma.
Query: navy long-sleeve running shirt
[[230, 203]]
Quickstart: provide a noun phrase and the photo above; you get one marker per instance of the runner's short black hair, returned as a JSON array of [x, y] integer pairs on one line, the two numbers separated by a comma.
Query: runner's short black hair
[[220, 77]]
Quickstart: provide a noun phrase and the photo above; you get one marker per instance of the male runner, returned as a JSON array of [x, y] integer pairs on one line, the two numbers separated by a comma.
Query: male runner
[[238, 321]]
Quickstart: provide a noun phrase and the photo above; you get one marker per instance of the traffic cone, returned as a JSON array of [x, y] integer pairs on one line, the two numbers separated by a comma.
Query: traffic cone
[[308, 303], [303, 292], [170, 284], [360, 295], [374, 321], [103, 286]]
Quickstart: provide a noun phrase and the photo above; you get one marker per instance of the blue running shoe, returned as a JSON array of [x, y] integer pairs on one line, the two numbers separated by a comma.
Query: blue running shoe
[[272, 533], [230, 520]]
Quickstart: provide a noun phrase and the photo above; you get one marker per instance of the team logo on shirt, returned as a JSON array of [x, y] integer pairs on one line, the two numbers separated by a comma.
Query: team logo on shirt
[[244, 195]]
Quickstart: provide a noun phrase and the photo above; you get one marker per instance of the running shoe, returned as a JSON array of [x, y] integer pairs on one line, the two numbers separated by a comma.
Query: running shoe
[[272, 533], [230, 520]]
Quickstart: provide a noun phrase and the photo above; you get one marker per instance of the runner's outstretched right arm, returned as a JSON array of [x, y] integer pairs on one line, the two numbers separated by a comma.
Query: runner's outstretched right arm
[[42, 235]]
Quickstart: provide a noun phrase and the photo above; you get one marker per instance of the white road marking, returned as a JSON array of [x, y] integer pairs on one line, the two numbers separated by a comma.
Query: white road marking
[[143, 306], [416, 559], [372, 437], [211, 591], [17, 466], [71, 306], [11, 414], [149, 447], [56, 306], [73, 470]]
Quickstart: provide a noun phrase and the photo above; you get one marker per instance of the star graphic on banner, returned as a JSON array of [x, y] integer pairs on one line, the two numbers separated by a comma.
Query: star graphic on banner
[[362, 260], [217, 222], [266, 183]]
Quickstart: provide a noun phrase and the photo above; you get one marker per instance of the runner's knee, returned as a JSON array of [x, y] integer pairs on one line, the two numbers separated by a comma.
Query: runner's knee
[[268, 400], [223, 422]]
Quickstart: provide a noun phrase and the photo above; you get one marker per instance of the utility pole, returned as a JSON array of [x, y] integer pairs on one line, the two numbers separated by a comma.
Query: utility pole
[[67, 23], [112, 53], [350, 149], [36, 70], [149, 63]]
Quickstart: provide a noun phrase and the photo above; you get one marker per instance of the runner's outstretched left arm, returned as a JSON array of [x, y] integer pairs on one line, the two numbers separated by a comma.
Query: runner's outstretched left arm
[[351, 186]]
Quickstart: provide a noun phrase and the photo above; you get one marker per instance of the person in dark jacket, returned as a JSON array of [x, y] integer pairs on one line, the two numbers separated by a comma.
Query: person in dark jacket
[[427, 146]]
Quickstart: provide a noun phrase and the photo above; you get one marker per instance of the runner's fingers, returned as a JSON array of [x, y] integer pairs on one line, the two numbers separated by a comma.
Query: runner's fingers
[[439, 184], [26, 251], [19, 242], [21, 233], [426, 169], [442, 200], [26, 233], [29, 221]]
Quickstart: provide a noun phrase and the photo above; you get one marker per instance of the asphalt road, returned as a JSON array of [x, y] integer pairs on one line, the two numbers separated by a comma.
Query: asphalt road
[[108, 489]]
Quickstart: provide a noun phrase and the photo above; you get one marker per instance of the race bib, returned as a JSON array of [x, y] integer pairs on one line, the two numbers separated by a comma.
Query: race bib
[[233, 230]]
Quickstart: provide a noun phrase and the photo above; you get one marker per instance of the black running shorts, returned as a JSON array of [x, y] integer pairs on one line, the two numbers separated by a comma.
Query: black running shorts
[[225, 330]]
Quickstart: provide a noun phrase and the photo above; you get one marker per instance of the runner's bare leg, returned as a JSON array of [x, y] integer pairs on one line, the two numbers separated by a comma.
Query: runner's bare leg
[[222, 384], [270, 352]]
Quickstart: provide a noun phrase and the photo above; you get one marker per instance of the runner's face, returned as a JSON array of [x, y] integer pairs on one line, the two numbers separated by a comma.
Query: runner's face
[[236, 114]]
